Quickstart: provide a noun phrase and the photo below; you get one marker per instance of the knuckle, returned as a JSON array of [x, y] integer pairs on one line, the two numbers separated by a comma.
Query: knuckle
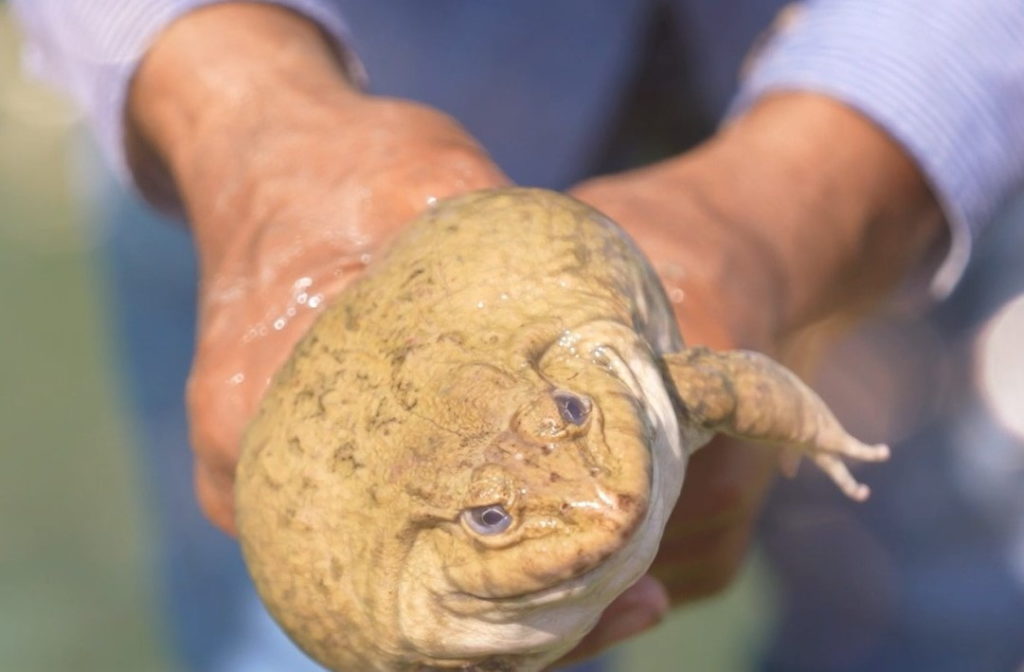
[[454, 167]]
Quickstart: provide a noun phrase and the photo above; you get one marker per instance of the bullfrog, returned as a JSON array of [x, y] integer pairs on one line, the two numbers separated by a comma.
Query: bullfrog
[[476, 447]]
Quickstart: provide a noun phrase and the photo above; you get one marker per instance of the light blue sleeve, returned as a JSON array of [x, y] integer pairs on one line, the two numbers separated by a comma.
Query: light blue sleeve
[[90, 49], [944, 77]]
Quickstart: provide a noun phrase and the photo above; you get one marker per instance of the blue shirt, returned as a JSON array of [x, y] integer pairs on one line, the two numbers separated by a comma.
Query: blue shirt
[[944, 77]]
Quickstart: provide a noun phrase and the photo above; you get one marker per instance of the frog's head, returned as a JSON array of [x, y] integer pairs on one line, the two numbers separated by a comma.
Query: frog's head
[[561, 498]]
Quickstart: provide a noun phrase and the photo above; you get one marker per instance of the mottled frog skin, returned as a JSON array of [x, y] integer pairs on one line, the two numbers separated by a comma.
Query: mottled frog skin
[[476, 447]]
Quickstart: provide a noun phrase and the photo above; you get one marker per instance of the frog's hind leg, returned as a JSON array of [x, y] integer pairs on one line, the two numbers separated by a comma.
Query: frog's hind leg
[[750, 396]]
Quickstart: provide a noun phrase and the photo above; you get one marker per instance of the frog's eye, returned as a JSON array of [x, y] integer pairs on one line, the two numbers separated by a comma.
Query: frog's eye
[[574, 409], [487, 520]]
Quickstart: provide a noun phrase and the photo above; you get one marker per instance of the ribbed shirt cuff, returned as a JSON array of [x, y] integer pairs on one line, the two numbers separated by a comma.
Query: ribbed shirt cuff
[[95, 54], [945, 78]]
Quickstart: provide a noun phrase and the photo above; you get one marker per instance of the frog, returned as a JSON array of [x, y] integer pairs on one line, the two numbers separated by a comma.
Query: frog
[[476, 447]]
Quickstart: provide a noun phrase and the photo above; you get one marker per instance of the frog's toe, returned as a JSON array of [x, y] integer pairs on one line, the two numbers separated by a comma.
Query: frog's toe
[[847, 446], [841, 476]]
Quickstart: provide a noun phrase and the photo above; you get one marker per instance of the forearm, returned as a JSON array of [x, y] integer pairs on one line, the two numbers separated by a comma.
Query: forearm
[[216, 86], [799, 209], [91, 49], [944, 78], [840, 212]]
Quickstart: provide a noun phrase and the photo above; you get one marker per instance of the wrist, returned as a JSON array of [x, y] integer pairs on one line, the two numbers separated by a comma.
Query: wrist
[[217, 77], [839, 210], [275, 154]]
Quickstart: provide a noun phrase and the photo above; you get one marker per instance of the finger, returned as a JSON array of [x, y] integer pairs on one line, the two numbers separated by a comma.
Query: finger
[[215, 493], [642, 606], [215, 411], [725, 484]]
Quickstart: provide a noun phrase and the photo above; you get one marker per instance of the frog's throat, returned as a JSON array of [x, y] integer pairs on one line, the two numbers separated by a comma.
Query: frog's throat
[[540, 627]]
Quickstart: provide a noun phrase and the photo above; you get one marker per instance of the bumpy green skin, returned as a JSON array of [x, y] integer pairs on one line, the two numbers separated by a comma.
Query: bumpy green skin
[[431, 367]]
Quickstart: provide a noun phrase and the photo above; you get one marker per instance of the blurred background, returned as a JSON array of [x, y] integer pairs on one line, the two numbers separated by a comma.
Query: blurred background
[[78, 587], [74, 587]]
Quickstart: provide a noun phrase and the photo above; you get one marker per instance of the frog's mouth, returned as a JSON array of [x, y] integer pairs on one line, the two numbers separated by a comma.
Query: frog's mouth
[[570, 589], [549, 619]]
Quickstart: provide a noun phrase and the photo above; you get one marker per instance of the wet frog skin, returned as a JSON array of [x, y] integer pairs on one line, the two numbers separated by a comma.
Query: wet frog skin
[[476, 447]]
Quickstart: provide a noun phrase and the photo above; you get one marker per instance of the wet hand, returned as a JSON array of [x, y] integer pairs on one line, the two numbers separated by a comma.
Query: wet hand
[[728, 227], [291, 179]]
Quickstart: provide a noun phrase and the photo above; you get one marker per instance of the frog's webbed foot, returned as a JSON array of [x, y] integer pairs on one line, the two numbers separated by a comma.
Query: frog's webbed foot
[[750, 396]]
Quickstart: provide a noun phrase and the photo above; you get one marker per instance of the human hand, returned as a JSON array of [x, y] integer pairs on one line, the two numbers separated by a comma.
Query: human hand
[[755, 234], [286, 206]]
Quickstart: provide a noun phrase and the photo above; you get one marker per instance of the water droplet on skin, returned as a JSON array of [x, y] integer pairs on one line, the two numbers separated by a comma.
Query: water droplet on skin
[[606, 498], [669, 271], [568, 339], [676, 295], [237, 379], [480, 304], [504, 296], [314, 301], [431, 201], [254, 332], [303, 283], [301, 299], [279, 323], [365, 258]]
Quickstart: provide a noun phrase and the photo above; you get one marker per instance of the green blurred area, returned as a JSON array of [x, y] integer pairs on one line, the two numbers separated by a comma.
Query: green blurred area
[[76, 586], [74, 591]]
